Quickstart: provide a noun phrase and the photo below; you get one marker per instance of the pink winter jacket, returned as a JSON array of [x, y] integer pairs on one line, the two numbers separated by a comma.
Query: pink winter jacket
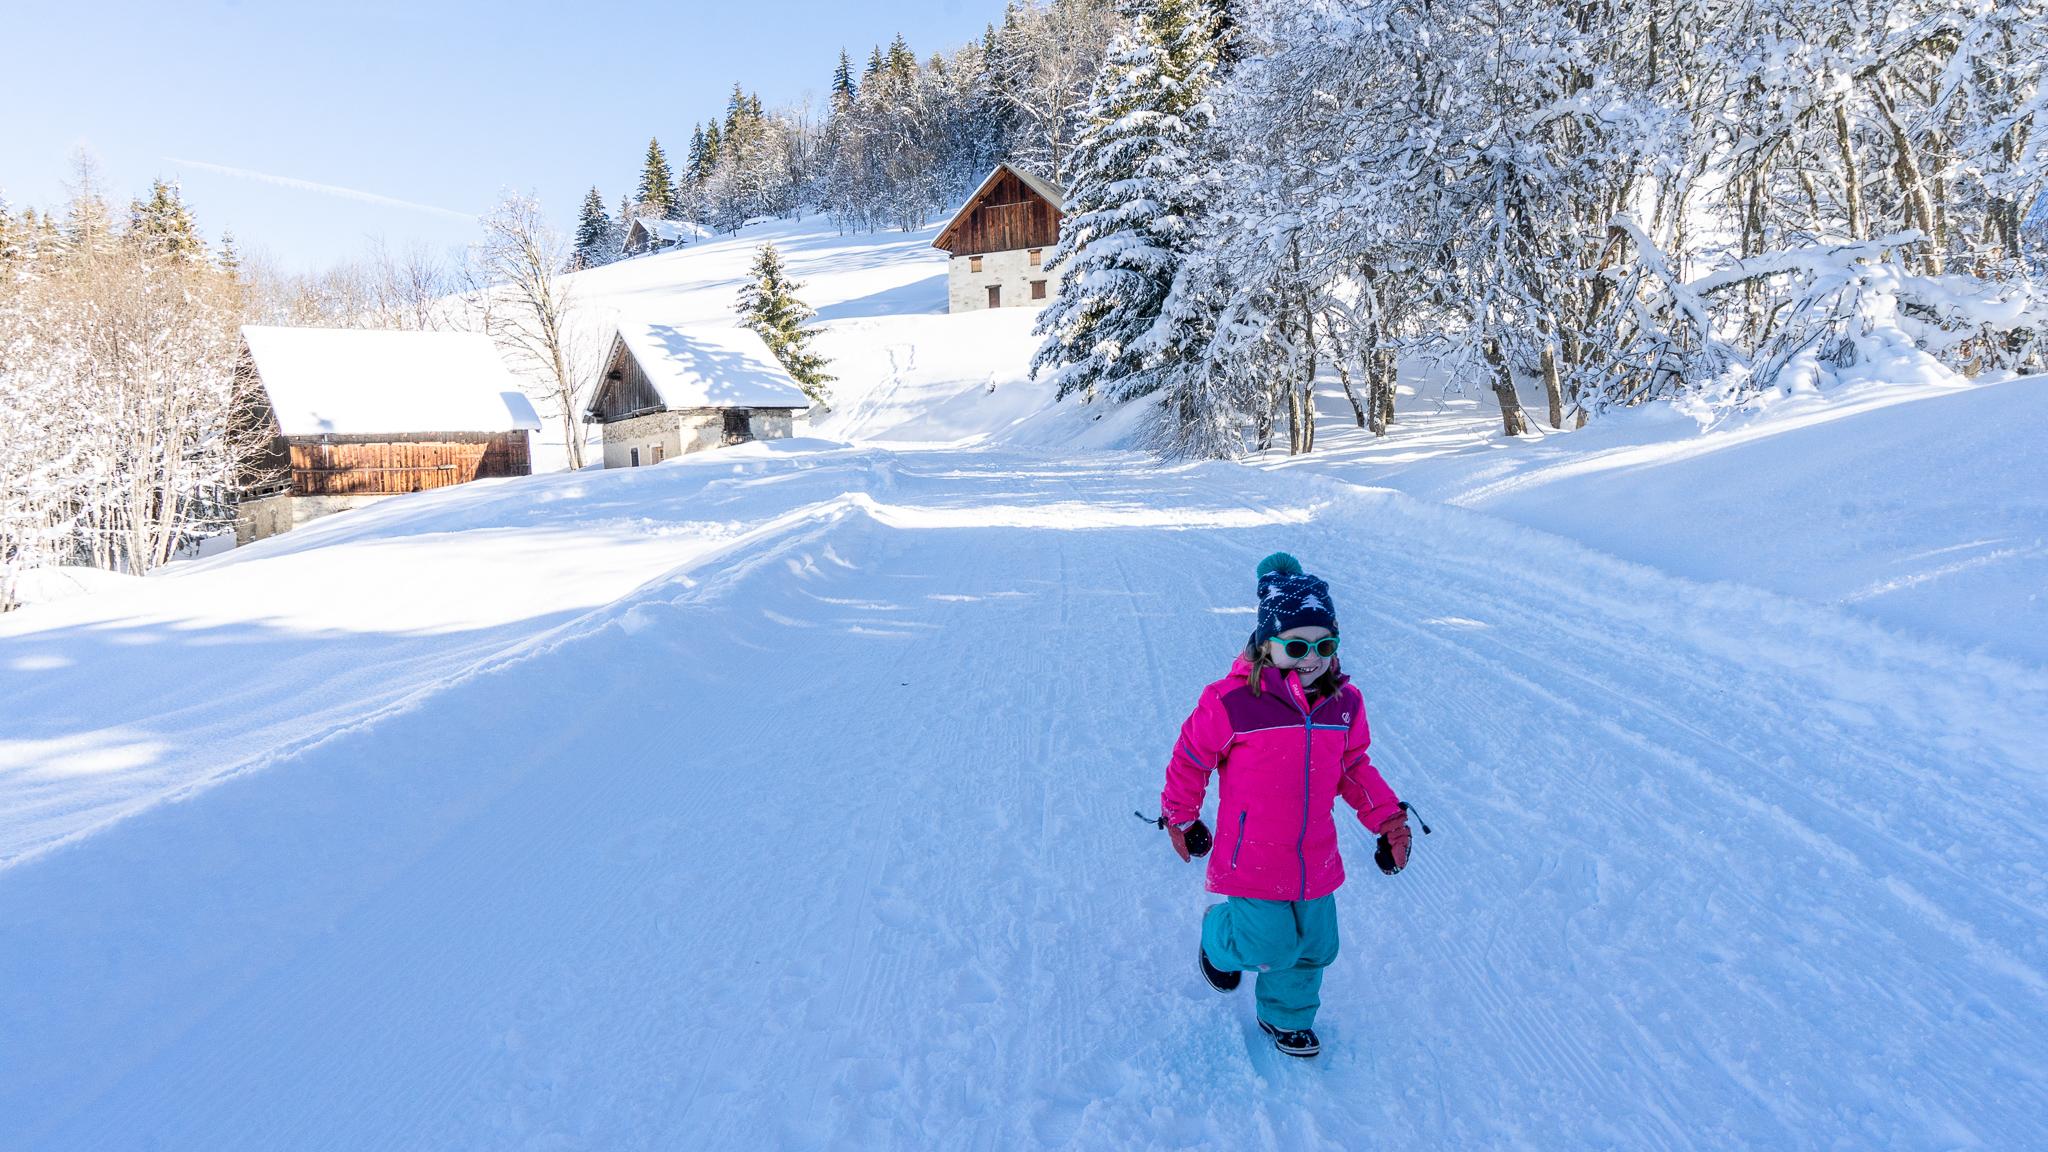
[[1283, 762]]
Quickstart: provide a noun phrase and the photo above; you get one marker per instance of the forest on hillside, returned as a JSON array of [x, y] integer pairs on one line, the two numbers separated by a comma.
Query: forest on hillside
[[1604, 203], [1601, 202]]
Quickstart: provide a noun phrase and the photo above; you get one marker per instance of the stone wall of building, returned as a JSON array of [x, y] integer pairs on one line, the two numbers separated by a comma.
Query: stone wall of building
[[273, 515], [263, 518], [646, 433], [1013, 272], [677, 433]]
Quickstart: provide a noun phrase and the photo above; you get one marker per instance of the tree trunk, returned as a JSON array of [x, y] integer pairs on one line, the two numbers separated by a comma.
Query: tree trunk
[[1385, 374], [1911, 182], [1552, 388], [1513, 421], [1852, 180]]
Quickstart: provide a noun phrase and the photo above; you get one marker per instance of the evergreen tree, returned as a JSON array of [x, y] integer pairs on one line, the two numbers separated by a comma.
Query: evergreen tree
[[595, 245], [230, 258], [874, 67], [768, 305], [736, 112], [712, 147], [162, 225], [696, 168], [902, 62], [1130, 209], [657, 183], [844, 90], [88, 227]]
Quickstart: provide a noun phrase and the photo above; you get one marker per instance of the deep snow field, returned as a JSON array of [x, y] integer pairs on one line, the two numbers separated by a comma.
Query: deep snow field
[[781, 796]]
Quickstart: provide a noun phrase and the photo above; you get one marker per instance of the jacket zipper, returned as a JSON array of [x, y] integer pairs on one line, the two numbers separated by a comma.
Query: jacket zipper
[[1308, 736], [1239, 846]]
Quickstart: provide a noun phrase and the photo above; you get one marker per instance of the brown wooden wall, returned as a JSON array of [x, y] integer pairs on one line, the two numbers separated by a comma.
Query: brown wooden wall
[[625, 390], [350, 466], [1008, 216]]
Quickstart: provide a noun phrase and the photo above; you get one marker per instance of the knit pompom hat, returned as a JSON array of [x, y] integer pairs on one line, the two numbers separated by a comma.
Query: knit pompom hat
[[1290, 598]]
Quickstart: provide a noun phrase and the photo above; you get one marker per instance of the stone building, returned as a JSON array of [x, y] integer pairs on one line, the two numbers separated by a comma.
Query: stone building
[[355, 416], [999, 240], [670, 389]]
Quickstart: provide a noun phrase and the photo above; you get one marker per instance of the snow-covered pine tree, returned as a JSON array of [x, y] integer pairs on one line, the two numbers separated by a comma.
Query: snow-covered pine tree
[[843, 87], [768, 305], [1130, 206], [595, 233], [712, 145], [657, 182], [162, 225]]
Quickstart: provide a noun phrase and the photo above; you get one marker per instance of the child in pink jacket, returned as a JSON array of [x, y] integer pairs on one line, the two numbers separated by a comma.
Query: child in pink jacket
[[1285, 731]]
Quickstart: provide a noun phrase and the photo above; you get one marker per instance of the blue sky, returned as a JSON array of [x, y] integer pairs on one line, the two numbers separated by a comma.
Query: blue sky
[[413, 115]]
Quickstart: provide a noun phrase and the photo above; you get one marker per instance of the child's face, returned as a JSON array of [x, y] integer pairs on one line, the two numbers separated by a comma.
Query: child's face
[[1309, 666]]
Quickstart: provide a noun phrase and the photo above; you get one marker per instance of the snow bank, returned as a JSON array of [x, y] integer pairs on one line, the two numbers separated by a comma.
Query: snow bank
[[1922, 506]]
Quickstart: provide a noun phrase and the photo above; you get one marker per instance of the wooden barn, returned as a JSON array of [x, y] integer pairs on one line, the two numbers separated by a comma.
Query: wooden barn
[[358, 416], [998, 242], [669, 389], [644, 236]]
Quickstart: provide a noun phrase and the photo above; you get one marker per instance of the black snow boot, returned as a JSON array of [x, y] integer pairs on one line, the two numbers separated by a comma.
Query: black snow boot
[[1218, 979], [1300, 1042]]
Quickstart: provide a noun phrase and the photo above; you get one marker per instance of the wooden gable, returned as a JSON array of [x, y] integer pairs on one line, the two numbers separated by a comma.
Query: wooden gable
[[1006, 213], [624, 391]]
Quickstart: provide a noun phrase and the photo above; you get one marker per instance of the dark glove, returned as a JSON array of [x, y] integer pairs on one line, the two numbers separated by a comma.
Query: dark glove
[[1190, 841], [1392, 854]]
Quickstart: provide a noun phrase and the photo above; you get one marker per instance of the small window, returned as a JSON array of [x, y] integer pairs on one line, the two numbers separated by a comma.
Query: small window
[[1036, 253], [974, 263], [1038, 289], [635, 452], [995, 295]]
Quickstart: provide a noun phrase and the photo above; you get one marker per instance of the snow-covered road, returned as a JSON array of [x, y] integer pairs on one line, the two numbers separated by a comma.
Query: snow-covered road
[[815, 831]]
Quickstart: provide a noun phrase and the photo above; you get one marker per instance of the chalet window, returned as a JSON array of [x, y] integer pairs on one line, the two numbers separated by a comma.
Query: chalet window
[[737, 430], [1038, 289], [1036, 255], [636, 456], [995, 295], [974, 263]]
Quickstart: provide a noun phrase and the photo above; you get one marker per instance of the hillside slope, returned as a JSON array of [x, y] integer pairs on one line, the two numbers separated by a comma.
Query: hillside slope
[[1922, 507], [821, 837]]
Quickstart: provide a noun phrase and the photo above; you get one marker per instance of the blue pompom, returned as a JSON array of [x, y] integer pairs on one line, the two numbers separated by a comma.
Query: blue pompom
[[1280, 563]]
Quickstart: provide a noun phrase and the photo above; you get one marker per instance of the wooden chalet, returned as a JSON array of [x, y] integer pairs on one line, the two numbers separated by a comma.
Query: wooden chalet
[[644, 236], [998, 242], [670, 389], [356, 416]]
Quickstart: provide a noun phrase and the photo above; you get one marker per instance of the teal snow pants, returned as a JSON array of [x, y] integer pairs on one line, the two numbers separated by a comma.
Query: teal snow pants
[[1286, 943]]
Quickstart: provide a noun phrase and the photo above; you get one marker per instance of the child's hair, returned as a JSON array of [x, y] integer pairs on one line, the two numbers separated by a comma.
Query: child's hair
[[1261, 659]]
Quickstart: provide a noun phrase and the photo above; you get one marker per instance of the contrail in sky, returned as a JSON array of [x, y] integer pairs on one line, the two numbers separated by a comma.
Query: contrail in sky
[[323, 189]]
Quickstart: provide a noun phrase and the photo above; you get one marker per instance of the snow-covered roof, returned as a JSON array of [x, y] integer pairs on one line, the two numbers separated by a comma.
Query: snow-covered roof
[[673, 231], [710, 366], [355, 382]]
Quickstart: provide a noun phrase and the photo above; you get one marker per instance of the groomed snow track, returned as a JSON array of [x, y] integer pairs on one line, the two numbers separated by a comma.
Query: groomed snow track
[[823, 840]]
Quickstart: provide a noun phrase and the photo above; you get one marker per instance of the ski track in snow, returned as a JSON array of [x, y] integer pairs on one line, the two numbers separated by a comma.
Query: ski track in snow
[[823, 839]]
